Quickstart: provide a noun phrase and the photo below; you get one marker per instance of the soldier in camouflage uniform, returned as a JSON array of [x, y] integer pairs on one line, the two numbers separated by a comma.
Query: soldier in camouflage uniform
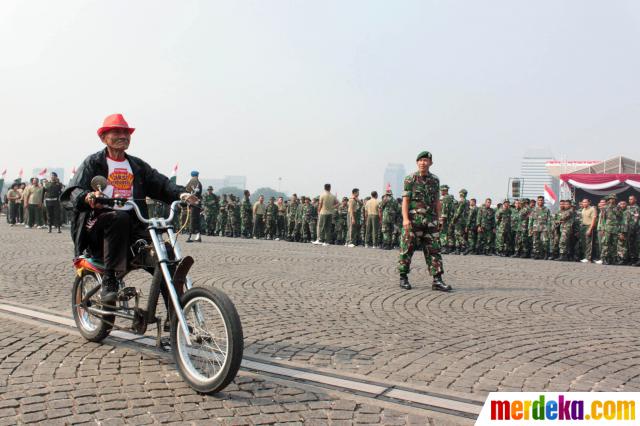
[[459, 223], [292, 209], [447, 203], [538, 229], [503, 229], [471, 229], [611, 217], [270, 217], [522, 248], [486, 229], [397, 226], [634, 231], [390, 210], [211, 204], [420, 214], [554, 236], [623, 240], [341, 222], [566, 220], [246, 215], [305, 212], [363, 219], [313, 218], [353, 219], [222, 216]]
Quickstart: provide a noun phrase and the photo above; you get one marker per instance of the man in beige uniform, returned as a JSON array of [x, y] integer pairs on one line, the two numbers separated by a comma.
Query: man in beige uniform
[[372, 217], [353, 218], [587, 225], [327, 208]]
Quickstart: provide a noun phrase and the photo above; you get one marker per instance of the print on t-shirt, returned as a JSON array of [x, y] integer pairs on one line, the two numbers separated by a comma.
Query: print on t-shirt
[[120, 181]]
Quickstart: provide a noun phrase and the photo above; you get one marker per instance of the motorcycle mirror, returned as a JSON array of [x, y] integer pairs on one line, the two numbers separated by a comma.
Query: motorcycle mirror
[[98, 183]]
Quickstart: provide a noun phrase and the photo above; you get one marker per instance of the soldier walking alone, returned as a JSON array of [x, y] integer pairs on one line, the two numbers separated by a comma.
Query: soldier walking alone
[[420, 214]]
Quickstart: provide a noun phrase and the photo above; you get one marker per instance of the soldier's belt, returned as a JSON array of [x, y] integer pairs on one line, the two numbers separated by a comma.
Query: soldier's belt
[[418, 211]]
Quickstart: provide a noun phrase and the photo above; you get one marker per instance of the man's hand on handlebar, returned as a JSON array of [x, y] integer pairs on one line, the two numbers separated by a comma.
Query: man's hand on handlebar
[[90, 199]]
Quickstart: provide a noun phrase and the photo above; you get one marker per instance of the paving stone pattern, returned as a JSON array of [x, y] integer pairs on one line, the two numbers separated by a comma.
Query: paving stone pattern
[[511, 324]]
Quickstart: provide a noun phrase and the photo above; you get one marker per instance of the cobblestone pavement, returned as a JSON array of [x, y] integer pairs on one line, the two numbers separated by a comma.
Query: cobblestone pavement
[[510, 325]]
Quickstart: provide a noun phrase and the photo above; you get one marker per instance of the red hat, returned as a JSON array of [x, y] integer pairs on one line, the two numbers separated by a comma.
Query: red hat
[[114, 121]]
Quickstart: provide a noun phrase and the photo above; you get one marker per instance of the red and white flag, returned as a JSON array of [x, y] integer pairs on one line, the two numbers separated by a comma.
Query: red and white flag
[[174, 172], [73, 172], [42, 173], [4, 172], [20, 173], [550, 197]]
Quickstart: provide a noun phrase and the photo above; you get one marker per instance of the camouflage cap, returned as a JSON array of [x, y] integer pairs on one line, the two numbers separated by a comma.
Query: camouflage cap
[[506, 200], [463, 191], [424, 154], [612, 196], [444, 187], [210, 188], [345, 199]]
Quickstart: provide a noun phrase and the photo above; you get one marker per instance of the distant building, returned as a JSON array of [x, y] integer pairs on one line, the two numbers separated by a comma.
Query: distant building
[[534, 173], [35, 173], [394, 176]]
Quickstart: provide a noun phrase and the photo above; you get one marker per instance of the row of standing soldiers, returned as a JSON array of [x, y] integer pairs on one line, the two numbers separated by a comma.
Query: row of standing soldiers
[[608, 234], [296, 219]]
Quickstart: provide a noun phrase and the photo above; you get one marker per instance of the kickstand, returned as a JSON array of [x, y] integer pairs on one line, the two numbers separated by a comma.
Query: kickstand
[[159, 343]]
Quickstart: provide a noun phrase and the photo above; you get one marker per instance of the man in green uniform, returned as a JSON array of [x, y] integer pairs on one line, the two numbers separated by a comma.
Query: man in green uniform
[[292, 210], [447, 203], [486, 228], [353, 220], [222, 216], [389, 208], [611, 216], [270, 217], [305, 215], [246, 215], [538, 229], [623, 240], [281, 219], [503, 229], [459, 224], [313, 218], [471, 228], [211, 203], [634, 231], [420, 216], [342, 216], [566, 220]]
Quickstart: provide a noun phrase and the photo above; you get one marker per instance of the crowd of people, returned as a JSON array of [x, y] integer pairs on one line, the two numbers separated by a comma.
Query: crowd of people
[[35, 205], [606, 234]]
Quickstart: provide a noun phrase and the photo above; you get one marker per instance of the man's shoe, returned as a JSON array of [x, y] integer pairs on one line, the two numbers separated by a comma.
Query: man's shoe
[[198, 238], [598, 262], [351, 245], [585, 261], [439, 285], [109, 291], [606, 262], [562, 258], [466, 252], [49, 229], [404, 282]]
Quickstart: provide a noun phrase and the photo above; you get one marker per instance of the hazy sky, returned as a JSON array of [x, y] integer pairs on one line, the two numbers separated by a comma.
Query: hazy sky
[[323, 91]]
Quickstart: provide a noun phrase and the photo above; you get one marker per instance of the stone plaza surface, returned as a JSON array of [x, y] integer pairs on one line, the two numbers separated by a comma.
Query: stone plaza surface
[[510, 325]]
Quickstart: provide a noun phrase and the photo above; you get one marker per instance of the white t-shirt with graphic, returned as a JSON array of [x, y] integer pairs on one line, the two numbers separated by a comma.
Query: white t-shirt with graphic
[[120, 181]]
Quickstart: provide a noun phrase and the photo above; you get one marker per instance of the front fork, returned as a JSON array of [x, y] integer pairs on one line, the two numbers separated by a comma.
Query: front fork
[[163, 258]]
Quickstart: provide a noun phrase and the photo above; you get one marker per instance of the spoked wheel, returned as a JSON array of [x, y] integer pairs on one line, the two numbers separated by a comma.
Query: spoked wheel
[[212, 360], [90, 326]]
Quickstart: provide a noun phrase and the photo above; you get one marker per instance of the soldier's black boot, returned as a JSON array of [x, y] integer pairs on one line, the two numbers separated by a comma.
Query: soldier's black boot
[[456, 251], [109, 290], [49, 228], [563, 258], [466, 252], [189, 240], [59, 230], [404, 282], [439, 285]]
